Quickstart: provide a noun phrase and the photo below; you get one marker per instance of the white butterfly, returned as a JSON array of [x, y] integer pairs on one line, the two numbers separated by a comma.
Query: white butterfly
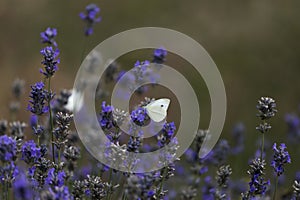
[[157, 110]]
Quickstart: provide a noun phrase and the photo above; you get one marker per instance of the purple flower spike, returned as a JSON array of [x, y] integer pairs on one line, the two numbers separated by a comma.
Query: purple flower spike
[[159, 55], [50, 62], [280, 158], [38, 97], [48, 36], [90, 18]]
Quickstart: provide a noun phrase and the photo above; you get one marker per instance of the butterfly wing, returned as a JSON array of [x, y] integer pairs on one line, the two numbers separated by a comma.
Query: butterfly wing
[[157, 110]]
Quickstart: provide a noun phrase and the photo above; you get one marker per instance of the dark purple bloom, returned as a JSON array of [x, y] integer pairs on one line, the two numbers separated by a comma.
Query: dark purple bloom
[[60, 193], [8, 148], [90, 18], [293, 123], [134, 144], [139, 74], [22, 188], [106, 116], [33, 121], [8, 172], [257, 185], [219, 154], [48, 36], [50, 61], [139, 116], [280, 158], [140, 69], [159, 55], [55, 178], [38, 97], [169, 129], [238, 133], [151, 193], [167, 134], [38, 130], [31, 171], [208, 189], [31, 153]]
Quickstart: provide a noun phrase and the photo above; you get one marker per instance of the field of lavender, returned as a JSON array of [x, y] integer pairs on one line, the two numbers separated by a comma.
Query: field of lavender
[[42, 156]]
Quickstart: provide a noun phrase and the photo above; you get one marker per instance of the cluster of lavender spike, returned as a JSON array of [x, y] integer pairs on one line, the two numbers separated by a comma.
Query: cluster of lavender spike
[[48, 163]]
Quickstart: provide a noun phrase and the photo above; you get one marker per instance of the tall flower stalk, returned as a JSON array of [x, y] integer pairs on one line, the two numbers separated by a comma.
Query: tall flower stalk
[[50, 63], [280, 158], [266, 109]]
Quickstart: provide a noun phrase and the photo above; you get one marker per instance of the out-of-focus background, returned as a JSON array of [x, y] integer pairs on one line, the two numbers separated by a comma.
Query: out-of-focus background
[[254, 44]]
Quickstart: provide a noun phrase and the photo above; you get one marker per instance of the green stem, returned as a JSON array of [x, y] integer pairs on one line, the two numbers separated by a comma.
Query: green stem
[[7, 191], [262, 146], [108, 196], [38, 140], [161, 183], [51, 121], [83, 49], [123, 196], [58, 156], [276, 185]]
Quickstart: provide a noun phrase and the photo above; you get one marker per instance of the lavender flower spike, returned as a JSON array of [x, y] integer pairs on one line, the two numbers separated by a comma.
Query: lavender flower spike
[[50, 61], [90, 18], [48, 36], [280, 158]]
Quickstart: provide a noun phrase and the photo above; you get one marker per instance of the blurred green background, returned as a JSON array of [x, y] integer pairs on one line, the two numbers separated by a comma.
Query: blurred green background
[[254, 44]]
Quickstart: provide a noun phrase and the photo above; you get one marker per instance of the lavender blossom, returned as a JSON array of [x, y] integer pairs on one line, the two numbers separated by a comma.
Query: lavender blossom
[[48, 36], [31, 153], [139, 116], [106, 116], [55, 178], [50, 61], [134, 144], [38, 100], [22, 188], [90, 18], [8, 149], [166, 135], [58, 193], [159, 55], [238, 133], [258, 185], [280, 158]]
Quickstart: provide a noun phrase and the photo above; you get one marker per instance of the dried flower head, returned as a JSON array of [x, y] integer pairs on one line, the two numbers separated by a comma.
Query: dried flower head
[[266, 107]]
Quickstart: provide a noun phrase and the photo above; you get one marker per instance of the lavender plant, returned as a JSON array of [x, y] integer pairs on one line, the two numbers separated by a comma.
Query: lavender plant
[[45, 161]]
